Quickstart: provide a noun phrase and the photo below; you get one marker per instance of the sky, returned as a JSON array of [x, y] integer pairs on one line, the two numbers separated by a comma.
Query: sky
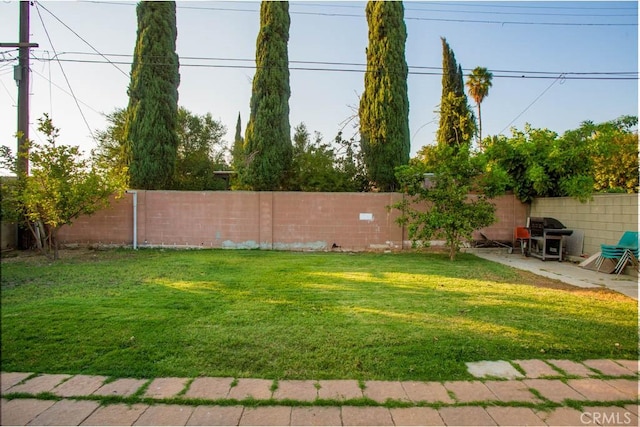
[[555, 64]]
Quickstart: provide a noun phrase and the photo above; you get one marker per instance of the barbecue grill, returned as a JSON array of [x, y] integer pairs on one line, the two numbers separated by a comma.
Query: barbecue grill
[[545, 237]]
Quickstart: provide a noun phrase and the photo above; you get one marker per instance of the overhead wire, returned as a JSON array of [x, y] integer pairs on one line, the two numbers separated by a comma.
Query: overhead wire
[[436, 71], [410, 18], [80, 37], [67, 92], [65, 74], [359, 64], [559, 78]]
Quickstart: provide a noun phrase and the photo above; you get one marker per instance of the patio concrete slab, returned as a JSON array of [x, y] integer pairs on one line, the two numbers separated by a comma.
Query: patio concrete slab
[[608, 367], [266, 416], [631, 365], [66, 413], [415, 417], [251, 389], [597, 390], [302, 390], [554, 390], [118, 414], [511, 391], [165, 415], [162, 388], [366, 416], [39, 384], [339, 389], [209, 388], [494, 369], [19, 412], [565, 272], [431, 392], [9, 379], [610, 415], [123, 387], [316, 416], [536, 369], [79, 385], [564, 417], [466, 416], [215, 416], [381, 391], [572, 368], [512, 416], [470, 391]]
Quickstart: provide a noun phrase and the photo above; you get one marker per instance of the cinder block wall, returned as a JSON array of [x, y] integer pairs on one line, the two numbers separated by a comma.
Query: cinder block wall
[[267, 220], [603, 219]]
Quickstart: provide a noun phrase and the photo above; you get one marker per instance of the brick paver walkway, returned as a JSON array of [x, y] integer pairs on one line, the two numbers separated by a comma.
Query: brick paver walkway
[[604, 391]]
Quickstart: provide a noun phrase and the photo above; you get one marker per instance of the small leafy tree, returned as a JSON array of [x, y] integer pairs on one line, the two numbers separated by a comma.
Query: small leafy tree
[[445, 206], [321, 166], [201, 151], [63, 186]]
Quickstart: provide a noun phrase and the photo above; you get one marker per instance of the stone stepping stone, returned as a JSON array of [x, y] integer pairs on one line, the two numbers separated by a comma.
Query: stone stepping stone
[[123, 387], [494, 369]]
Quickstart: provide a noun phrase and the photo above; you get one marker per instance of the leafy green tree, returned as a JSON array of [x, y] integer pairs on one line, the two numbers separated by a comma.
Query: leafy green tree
[[312, 166], [113, 147], [384, 106], [267, 145], [201, 149], [539, 163], [614, 145], [478, 83], [445, 207], [153, 97], [349, 163], [63, 185], [319, 166], [457, 123]]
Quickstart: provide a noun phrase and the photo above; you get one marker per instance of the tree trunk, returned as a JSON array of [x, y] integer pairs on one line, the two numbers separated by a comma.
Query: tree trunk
[[479, 127], [54, 243]]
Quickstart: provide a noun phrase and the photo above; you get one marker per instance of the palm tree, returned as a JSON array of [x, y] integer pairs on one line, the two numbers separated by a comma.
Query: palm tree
[[478, 83]]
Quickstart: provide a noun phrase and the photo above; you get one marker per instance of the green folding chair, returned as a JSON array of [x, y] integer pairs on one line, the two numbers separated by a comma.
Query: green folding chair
[[625, 252]]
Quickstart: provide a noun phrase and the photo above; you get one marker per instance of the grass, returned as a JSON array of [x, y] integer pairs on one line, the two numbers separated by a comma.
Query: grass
[[285, 315]]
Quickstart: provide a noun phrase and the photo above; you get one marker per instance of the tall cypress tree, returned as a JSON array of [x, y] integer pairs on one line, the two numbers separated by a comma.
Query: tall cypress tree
[[152, 113], [237, 150], [457, 123], [267, 145], [384, 106]]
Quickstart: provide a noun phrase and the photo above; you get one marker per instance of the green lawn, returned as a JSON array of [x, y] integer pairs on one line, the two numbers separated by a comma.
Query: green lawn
[[285, 315]]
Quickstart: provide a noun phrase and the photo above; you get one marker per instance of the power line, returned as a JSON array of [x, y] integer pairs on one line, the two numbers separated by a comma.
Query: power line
[[410, 18], [359, 64], [454, 4], [512, 75], [68, 93], [64, 74], [560, 77], [78, 35], [548, 5]]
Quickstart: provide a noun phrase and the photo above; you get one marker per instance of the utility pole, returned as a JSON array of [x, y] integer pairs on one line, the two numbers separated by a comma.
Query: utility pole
[[21, 75]]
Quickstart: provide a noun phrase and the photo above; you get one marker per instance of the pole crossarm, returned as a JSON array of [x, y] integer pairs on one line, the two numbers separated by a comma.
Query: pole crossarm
[[19, 44]]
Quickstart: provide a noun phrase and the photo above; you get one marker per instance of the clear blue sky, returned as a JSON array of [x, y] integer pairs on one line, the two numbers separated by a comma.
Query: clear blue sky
[[480, 33]]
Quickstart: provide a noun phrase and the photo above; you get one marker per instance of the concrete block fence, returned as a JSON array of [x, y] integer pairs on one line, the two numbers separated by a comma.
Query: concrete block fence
[[265, 220]]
